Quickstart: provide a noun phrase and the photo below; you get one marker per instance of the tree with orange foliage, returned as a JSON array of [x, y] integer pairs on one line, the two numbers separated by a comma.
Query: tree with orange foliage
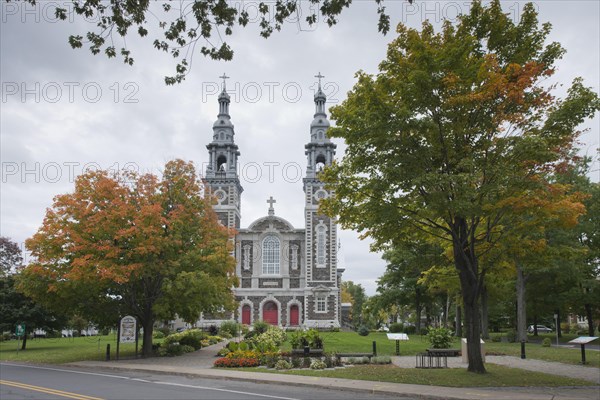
[[454, 125], [132, 244]]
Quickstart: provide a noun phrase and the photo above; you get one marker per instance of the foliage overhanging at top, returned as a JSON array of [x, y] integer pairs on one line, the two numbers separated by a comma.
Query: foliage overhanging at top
[[186, 24]]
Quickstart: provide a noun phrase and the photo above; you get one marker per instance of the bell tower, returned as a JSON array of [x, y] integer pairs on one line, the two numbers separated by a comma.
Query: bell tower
[[222, 170], [322, 292]]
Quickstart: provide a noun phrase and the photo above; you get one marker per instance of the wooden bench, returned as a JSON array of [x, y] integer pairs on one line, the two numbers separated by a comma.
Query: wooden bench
[[311, 352], [444, 352]]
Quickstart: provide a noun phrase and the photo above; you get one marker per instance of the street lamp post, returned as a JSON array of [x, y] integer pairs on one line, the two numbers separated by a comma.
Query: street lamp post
[[557, 327]]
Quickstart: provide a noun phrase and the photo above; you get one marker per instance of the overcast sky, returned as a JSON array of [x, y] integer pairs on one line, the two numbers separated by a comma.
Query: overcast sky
[[63, 110]]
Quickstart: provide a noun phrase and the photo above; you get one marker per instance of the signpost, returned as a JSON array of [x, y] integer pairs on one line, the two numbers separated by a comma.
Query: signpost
[[583, 340], [397, 337], [127, 331], [19, 332]]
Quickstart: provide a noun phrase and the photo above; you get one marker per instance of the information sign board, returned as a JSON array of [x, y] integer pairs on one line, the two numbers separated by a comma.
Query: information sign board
[[128, 325]]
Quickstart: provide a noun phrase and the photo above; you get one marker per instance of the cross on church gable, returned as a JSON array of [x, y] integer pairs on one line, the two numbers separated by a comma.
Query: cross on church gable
[[271, 201]]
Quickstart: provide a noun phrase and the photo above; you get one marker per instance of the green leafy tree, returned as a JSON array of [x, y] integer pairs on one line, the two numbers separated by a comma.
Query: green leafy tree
[[454, 127], [10, 256], [185, 26], [15, 307], [151, 247], [357, 297]]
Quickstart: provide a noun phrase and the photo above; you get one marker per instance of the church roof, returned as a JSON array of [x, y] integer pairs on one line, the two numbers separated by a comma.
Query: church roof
[[278, 223]]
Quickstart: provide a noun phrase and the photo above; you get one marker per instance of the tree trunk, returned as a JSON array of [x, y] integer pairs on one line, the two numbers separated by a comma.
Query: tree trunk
[[447, 311], [558, 330], [590, 318], [458, 320], [148, 324], [471, 281], [521, 307], [535, 324], [485, 331], [418, 310]]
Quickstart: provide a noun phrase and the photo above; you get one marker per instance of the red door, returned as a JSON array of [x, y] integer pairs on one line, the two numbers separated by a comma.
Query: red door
[[294, 314], [246, 315], [270, 313]]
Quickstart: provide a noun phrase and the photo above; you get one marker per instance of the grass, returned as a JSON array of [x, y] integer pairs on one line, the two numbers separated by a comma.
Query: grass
[[497, 376], [64, 350], [351, 342]]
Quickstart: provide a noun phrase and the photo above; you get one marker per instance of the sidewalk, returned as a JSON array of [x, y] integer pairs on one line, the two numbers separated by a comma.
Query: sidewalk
[[199, 364]]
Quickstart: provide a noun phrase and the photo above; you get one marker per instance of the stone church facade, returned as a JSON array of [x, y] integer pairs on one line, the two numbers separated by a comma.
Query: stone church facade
[[288, 276]]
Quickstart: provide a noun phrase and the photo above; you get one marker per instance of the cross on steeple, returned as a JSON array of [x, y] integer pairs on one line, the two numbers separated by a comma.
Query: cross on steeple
[[224, 77], [319, 76], [271, 200]]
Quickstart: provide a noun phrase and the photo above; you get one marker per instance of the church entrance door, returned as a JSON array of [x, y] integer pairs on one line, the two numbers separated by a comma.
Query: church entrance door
[[246, 315], [294, 316], [270, 313]]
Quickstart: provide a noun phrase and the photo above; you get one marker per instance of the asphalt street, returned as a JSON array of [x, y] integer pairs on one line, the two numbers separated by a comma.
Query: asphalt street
[[48, 382]]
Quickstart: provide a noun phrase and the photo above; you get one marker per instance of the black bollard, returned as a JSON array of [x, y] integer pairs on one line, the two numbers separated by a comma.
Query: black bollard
[[522, 349], [374, 348], [108, 352], [306, 350]]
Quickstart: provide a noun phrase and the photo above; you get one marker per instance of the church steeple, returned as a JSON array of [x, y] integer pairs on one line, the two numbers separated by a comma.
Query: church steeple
[[222, 169], [320, 150]]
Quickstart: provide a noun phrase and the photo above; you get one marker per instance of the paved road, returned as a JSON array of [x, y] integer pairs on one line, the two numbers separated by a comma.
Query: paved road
[[43, 382]]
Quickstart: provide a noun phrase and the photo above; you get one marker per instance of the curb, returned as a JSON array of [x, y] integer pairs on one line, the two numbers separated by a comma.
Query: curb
[[356, 386]]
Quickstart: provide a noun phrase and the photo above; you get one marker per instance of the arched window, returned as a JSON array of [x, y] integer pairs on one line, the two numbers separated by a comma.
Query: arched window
[[270, 255], [321, 231], [221, 163], [320, 162]]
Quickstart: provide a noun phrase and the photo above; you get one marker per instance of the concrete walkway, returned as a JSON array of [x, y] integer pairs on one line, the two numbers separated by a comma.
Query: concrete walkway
[[199, 364]]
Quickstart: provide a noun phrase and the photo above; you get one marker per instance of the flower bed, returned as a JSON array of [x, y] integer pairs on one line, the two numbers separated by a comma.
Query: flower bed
[[225, 362]]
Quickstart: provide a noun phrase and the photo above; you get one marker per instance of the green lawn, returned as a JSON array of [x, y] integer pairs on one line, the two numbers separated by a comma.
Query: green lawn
[[352, 342], [497, 376], [63, 350]]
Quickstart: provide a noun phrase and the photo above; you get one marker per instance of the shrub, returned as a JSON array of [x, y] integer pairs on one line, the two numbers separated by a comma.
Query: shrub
[[282, 364], [233, 346], [381, 360], [224, 335], [261, 326], [317, 364], [495, 338], [511, 336], [410, 330], [306, 361], [165, 331], [269, 359], [440, 338], [296, 362], [235, 362], [158, 335], [396, 327], [187, 349], [214, 339], [230, 327], [546, 342], [335, 329], [192, 341], [174, 349], [223, 352], [363, 330], [213, 330]]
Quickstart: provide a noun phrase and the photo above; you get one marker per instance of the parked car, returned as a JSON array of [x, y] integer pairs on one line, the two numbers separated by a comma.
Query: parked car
[[540, 329]]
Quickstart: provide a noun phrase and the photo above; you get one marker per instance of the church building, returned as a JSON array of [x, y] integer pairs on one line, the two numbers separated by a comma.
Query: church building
[[288, 275]]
